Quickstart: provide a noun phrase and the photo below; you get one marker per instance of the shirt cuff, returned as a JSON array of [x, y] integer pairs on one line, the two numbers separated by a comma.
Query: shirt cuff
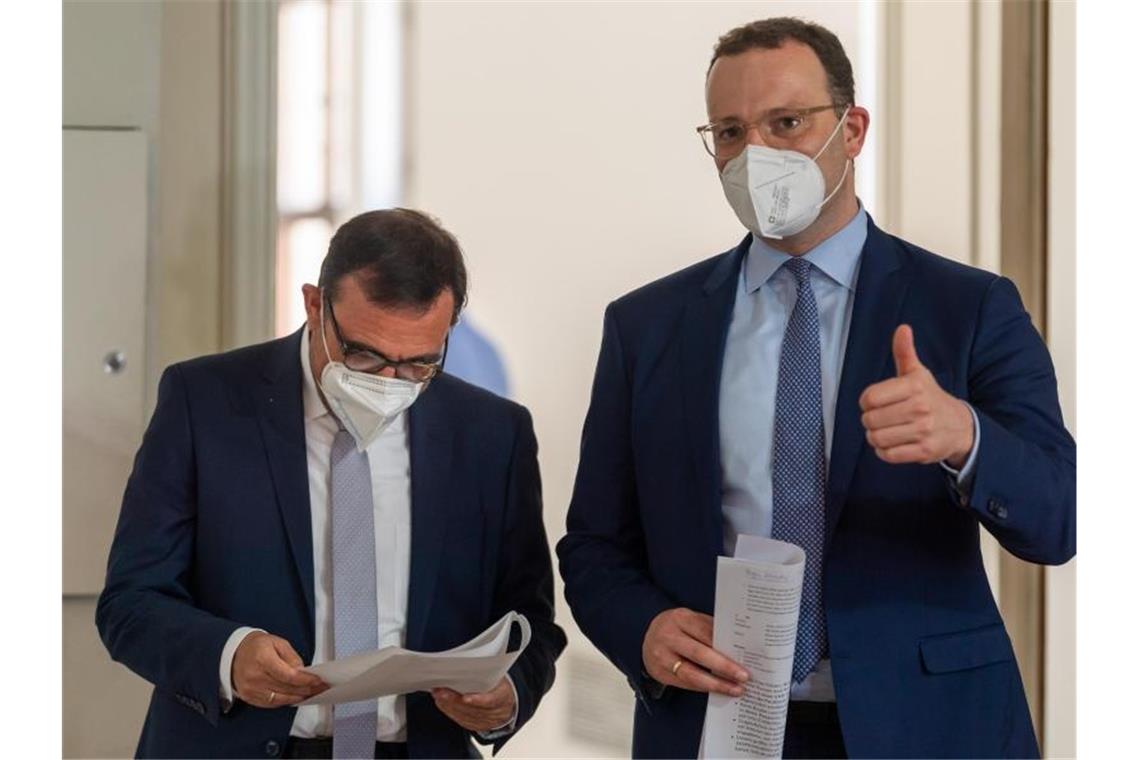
[[225, 686], [509, 726], [964, 478]]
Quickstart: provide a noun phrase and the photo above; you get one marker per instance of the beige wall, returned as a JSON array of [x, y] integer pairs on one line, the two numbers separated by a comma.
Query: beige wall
[[1061, 279], [155, 67], [928, 117]]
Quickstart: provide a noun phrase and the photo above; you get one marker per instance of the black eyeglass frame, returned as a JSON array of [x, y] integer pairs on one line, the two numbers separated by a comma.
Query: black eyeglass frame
[[374, 362]]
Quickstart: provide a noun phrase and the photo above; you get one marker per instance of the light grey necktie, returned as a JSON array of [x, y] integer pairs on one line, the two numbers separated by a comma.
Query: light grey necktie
[[354, 588]]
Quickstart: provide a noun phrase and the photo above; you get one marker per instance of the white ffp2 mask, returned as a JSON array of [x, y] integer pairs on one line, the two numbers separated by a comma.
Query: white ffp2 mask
[[365, 404], [778, 193]]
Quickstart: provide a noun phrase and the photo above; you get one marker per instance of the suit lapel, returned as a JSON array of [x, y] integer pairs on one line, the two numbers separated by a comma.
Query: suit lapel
[[280, 416], [704, 328], [431, 443], [879, 294]]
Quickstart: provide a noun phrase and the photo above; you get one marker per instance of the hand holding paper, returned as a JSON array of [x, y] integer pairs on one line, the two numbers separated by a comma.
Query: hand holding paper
[[482, 711], [757, 611], [678, 651], [267, 672], [477, 666]]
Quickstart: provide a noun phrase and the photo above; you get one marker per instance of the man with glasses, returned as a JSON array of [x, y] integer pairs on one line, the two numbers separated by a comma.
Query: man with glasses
[[830, 385], [325, 494]]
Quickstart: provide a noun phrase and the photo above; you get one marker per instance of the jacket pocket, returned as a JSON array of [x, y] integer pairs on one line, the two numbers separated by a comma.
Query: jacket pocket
[[965, 650]]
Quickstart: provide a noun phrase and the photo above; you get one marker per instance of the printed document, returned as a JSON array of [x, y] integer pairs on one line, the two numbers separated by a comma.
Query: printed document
[[754, 622]]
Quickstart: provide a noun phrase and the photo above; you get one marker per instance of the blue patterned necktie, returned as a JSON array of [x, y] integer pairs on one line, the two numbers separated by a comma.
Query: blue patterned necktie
[[354, 588], [799, 470]]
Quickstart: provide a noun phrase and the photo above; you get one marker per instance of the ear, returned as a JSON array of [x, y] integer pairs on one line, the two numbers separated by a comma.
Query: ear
[[855, 130], [312, 297]]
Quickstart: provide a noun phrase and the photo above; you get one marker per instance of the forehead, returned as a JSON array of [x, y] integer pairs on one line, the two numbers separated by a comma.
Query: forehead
[[397, 333], [742, 85]]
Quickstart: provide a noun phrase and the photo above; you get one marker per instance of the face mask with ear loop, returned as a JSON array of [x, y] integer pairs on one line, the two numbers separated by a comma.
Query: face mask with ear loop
[[778, 193], [365, 404]]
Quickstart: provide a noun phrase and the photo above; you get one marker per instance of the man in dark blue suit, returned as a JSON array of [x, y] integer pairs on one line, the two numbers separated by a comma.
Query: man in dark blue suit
[[328, 493], [830, 385]]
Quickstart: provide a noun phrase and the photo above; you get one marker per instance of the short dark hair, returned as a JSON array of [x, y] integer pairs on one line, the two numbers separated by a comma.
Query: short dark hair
[[403, 258], [771, 33]]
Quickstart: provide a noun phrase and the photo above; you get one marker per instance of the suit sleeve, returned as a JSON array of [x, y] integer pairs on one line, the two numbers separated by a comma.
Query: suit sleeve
[[146, 614], [1024, 488], [602, 557], [525, 578]]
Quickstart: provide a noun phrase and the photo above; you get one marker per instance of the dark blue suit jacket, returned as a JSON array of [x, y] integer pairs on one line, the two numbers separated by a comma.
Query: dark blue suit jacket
[[921, 660], [215, 533]]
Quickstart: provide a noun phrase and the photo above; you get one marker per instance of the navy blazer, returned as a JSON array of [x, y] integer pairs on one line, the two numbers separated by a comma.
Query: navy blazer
[[921, 660], [215, 533]]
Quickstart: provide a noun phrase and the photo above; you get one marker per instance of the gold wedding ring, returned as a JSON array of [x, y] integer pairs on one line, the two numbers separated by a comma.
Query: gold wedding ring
[[677, 666], [272, 696]]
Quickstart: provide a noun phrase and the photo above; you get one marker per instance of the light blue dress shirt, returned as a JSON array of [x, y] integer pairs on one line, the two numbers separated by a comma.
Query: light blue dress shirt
[[765, 296]]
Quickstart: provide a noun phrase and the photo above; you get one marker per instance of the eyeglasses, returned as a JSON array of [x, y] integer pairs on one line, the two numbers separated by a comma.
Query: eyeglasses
[[779, 128], [362, 359]]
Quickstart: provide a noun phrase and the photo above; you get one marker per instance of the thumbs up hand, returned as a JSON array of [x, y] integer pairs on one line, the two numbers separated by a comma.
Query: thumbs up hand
[[909, 418]]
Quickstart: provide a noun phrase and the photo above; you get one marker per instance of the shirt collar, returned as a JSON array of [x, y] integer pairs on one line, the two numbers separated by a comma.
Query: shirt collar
[[837, 257], [311, 398]]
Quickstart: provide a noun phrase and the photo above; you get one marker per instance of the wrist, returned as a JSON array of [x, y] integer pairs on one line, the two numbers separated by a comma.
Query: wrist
[[961, 453], [239, 655]]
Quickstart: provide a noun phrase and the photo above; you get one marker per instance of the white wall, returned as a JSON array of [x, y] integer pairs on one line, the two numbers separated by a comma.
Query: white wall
[[557, 141]]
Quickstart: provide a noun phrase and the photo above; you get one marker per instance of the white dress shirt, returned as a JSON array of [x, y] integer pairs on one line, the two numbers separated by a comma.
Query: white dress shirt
[[390, 461]]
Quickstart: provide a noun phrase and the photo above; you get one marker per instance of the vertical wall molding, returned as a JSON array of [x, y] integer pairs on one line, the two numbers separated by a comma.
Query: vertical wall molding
[[985, 181], [249, 196], [1023, 210], [891, 87], [1060, 708], [1024, 260], [986, 134]]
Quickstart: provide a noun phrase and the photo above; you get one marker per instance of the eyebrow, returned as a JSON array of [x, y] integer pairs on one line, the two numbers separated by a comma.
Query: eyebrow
[[765, 112]]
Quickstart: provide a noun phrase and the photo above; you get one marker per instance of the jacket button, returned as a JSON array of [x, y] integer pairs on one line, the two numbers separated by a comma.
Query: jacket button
[[997, 509], [272, 748]]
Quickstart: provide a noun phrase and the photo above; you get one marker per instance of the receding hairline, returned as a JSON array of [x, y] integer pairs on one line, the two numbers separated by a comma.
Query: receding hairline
[[826, 82], [365, 277], [775, 32]]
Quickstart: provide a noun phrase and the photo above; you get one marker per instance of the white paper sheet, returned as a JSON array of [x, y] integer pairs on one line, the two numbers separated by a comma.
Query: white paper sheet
[[475, 666], [754, 622]]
